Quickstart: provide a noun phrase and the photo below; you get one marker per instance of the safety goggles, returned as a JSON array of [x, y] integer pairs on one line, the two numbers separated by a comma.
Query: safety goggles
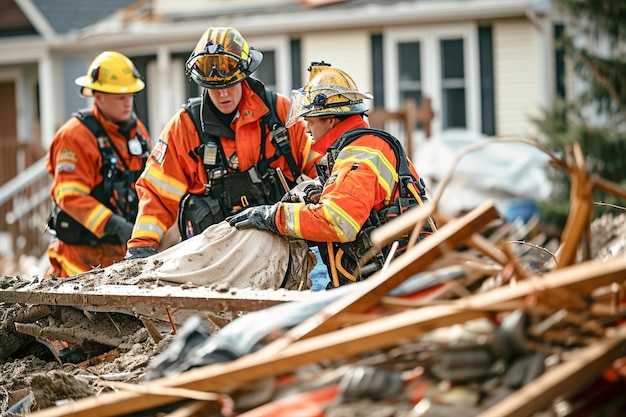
[[221, 65]]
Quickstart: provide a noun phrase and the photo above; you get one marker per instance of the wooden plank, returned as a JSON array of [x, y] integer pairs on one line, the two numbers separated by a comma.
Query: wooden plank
[[380, 333], [414, 260], [132, 296], [401, 225], [562, 380]]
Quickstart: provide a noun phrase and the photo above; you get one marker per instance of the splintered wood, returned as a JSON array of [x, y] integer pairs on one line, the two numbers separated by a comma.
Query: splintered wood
[[480, 270]]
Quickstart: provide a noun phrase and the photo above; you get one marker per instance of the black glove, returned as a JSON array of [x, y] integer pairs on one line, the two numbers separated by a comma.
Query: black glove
[[117, 225], [290, 197], [312, 193], [307, 192], [140, 252], [259, 217]]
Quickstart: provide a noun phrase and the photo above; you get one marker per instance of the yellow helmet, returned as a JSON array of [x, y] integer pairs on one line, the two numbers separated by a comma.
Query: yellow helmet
[[221, 59], [111, 72], [329, 92]]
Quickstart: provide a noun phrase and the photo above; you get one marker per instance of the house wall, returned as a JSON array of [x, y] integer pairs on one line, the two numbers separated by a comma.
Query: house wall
[[347, 50], [518, 62], [517, 82]]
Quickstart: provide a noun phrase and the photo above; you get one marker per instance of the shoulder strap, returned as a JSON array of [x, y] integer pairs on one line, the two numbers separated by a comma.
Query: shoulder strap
[[109, 160], [402, 164], [280, 134], [193, 108], [86, 116], [272, 117]]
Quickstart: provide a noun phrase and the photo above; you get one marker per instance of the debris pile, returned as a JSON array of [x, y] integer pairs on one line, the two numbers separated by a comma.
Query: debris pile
[[483, 318]]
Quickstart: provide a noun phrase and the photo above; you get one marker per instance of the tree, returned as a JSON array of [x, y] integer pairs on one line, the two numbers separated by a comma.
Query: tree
[[595, 118]]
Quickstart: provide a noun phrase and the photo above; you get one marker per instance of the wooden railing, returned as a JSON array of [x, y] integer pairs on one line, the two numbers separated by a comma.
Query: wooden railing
[[24, 201], [408, 116]]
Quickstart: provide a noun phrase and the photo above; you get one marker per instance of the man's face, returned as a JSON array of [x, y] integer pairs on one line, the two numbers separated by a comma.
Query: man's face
[[116, 108], [226, 100], [319, 126]]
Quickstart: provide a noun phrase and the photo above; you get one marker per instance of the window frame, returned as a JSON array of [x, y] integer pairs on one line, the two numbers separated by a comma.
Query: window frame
[[429, 37], [281, 47]]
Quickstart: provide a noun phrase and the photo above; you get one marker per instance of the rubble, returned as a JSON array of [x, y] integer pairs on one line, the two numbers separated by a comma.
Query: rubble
[[484, 318]]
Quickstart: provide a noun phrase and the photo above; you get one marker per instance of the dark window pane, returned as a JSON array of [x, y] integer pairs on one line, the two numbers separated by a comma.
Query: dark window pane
[[409, 61], [410, 73], [267, 70], [191, 88], [378, 70], [416, 95], [452, 58], [295, 47], [454, 105], [453, 83]]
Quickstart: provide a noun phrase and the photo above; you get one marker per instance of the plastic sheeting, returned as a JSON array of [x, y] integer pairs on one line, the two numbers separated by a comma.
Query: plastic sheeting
[[505, 172]]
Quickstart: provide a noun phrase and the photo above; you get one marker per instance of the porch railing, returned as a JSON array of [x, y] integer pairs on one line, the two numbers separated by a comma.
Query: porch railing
[[24, 202]]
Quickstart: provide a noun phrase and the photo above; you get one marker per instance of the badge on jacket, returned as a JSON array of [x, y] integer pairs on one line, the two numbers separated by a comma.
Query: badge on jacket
[[158, 153]]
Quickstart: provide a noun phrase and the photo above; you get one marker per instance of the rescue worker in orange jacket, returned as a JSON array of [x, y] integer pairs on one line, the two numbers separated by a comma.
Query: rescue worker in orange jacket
[[365, 178], [94, 160], [211, 162]]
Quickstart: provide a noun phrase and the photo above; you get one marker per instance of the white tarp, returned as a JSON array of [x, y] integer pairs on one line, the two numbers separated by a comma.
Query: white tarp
[[505, 172], [222, 255]]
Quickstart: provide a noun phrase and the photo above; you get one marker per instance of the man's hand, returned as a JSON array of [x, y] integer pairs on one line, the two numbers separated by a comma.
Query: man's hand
[[140, 252], [312, 193], [259, 217], [307, 192], [117, 225]]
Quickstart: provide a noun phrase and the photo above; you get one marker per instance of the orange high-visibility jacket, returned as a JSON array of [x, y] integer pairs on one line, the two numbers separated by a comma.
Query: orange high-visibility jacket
[[173, 171], [363, 179], [74, 162]]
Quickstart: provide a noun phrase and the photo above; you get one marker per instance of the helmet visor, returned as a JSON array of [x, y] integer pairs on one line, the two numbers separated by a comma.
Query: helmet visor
[[217, 69], [297, 108], [324, 101]]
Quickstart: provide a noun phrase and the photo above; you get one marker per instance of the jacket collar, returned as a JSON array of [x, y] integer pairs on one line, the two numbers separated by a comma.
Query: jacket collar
[[322, 144]]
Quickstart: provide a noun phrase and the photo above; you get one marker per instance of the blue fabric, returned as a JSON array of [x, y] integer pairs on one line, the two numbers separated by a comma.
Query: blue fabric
[[522, 209], [319, 275]]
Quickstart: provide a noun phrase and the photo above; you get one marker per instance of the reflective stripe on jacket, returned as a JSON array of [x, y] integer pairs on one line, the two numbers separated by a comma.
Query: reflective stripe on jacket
[[171, 172], [75, 163], [363, 179]]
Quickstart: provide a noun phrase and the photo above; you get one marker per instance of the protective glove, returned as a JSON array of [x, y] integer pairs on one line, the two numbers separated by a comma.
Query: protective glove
[[140, 252], [312, 193], [306, 192], [259, 217], [117, 225]]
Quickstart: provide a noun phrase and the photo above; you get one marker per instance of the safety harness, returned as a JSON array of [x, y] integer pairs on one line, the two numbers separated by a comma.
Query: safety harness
[[227, 192], [345, 257], [116, 191]]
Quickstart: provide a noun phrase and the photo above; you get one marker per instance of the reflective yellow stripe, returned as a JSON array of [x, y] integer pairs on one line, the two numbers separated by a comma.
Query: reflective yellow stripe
[[65, 189], [376, 160], [70, 267], [345, 227], [167, 186], [292, 220], [65, 264], [96, 217], [149, 227]]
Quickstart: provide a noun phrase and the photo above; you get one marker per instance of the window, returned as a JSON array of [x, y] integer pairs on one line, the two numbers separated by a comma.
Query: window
[[410, 71], [438, 62], [453, 83], [267, 70]]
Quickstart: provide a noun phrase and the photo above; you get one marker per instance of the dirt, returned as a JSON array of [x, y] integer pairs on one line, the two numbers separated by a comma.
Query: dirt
[[120, 347]]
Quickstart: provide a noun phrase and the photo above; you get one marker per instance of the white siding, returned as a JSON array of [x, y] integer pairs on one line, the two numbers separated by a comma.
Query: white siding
[[516, 65], [349, 51]]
